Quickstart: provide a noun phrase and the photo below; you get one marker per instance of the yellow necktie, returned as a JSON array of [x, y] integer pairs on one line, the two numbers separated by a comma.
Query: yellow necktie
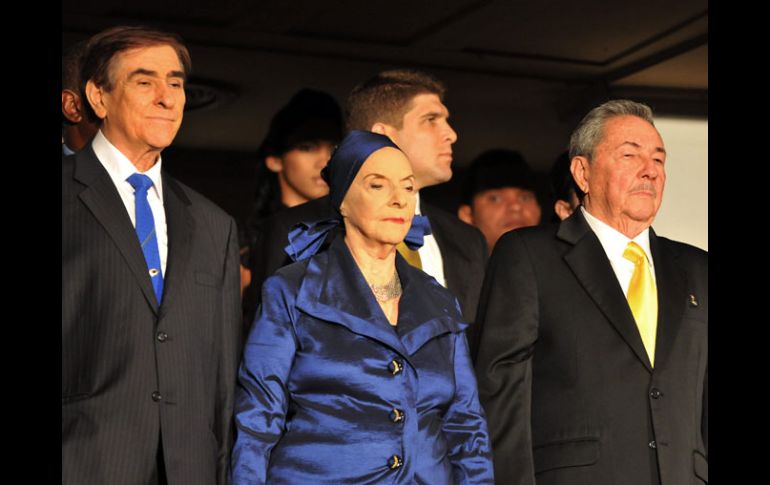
[[643, 297], [411, 257]]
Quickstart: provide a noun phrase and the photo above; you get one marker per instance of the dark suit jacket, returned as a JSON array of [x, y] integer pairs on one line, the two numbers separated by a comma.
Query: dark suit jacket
[[463, 250], [568, 388], [133, 374]]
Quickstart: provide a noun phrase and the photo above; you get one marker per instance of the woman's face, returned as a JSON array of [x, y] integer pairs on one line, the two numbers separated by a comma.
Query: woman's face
[[299, 172], [379, 205]]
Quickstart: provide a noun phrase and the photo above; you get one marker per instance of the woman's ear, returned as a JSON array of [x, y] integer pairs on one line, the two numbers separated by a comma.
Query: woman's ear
[[274, 164]]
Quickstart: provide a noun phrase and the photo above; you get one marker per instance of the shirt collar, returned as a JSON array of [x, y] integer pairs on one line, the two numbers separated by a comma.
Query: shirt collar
[[119, 164], [613, 241]]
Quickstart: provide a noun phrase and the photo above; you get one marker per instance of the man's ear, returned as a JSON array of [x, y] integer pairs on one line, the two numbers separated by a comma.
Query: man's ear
[[562, 208], [71, 107], [96, 99], [343, 209], [465, 214], [274, 164], [381, 128], [581, 172]]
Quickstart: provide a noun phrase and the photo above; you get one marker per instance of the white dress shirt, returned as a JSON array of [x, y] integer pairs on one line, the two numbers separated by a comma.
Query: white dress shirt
[[119, 167], [614, 244], [430, 255]]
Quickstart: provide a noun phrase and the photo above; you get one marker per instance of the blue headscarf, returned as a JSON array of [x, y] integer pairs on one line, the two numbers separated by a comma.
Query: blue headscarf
[[306, 238]]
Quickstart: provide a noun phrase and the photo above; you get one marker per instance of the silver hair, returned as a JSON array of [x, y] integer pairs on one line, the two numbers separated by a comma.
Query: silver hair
[[590, 130]]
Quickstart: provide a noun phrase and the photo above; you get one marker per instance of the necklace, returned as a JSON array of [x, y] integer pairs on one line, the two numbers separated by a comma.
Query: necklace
[[388, 291]]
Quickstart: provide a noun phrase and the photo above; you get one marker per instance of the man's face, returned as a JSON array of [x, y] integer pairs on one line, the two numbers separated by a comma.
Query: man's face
[[143, 112], [426, 138], [625, 179], [497, 211]]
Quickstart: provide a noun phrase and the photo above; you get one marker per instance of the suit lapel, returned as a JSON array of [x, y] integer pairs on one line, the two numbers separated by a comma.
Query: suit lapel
[[426, 309], [590, 265], [179, 226], [671, 283], [101, 197], [454, 257]]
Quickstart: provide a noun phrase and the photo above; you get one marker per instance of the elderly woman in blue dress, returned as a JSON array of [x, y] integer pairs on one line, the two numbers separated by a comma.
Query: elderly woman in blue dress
[[356, 370]]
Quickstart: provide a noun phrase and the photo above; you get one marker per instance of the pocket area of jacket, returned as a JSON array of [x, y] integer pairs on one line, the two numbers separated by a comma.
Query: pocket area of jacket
[[701, 466], [568, 453]]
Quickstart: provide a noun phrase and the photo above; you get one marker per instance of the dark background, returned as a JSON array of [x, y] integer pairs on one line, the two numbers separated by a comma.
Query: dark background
[[520, 74]]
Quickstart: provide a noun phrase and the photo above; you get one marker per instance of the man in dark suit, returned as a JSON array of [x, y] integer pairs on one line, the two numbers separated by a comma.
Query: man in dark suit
[[150, 296], [407, 106], [593, 357]]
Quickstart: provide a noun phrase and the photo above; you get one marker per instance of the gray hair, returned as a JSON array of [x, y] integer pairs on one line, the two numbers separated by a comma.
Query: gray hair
[[590, 130]]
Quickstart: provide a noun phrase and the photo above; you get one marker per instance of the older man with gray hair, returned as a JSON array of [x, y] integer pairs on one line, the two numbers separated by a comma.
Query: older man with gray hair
[[593, 356]]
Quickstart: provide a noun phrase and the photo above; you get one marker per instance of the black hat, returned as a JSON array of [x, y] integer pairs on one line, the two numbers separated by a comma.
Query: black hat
[[494, 169], [310, 116]]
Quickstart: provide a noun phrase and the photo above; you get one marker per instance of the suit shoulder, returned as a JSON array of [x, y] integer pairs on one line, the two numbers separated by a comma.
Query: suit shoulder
[[67, 173], [309, 211], [686, 251], [452, 228], [67, 165], [447, 221], [197, 200], [292, 273], [286, 281], [534, 236]]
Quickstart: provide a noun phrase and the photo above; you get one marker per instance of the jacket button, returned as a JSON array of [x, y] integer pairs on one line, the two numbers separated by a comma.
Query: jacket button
[[655, 393], [161, 336], [395, 366], [397, 415], [156, 396], [394, 462], [652, 444]]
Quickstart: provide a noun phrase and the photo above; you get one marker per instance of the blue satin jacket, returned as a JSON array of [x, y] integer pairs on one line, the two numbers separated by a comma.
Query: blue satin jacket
[[329, 392]]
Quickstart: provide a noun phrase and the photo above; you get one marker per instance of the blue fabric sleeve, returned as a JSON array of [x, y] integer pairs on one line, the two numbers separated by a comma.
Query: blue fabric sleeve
[[465, 426], [262, 395]]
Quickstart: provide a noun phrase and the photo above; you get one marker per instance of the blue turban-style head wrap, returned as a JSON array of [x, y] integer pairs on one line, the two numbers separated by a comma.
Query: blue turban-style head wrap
[[306, 238]]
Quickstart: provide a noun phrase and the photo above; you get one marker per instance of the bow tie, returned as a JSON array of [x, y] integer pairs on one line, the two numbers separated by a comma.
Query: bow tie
[[420, 228], [306, 238]]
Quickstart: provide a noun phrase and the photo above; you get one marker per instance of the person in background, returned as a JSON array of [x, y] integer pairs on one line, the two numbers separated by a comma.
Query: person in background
[[77, 129], [408, 107], [356, 369], [565, 192], [298, 144], [499, 194], [151, 332], [593, 358]]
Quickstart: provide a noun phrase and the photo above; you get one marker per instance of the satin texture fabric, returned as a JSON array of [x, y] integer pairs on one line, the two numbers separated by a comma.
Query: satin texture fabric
[[330, 392]]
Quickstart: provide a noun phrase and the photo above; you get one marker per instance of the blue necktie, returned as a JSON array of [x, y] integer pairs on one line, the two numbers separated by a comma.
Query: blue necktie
[[145, 231]]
